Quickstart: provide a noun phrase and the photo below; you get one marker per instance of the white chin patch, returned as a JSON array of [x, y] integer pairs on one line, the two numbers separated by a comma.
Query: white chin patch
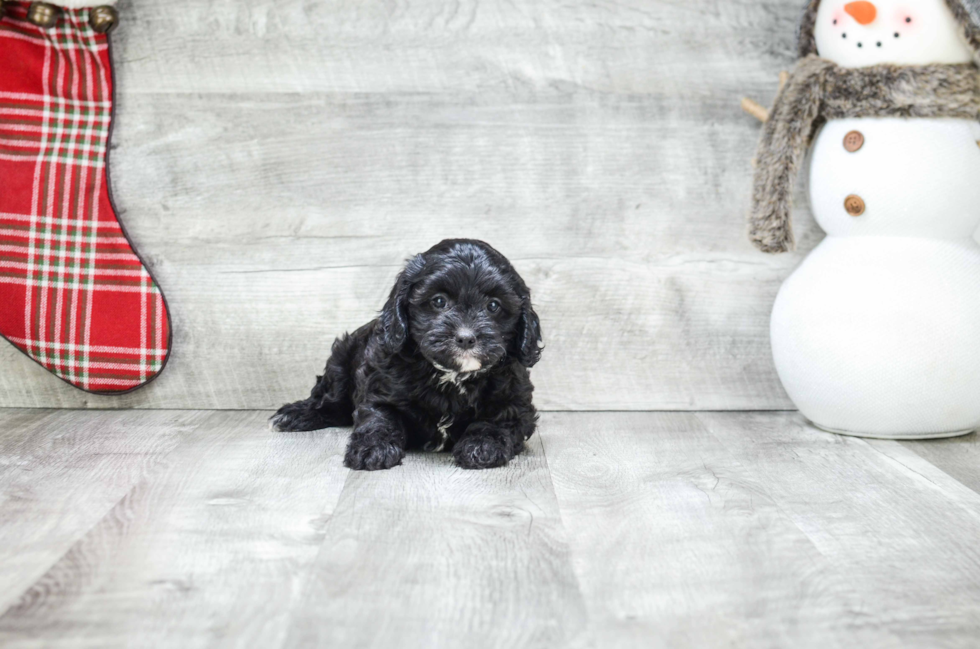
[[469, 364]]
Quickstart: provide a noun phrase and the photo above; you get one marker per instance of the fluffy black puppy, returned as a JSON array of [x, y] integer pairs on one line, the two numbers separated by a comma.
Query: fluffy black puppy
[[445, 366]]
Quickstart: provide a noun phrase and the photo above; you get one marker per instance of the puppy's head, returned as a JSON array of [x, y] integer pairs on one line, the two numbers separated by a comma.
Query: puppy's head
[[464, 307]]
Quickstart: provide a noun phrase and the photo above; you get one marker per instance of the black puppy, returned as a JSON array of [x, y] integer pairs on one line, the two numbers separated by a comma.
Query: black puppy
[[445, 366]]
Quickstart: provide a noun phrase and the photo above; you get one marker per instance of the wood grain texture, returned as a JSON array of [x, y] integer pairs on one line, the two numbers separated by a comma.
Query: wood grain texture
[[205, 529], [959, 457], [678, 544], [276, 161], [62, 472], [211, 551], [899, 532], [431, 555]]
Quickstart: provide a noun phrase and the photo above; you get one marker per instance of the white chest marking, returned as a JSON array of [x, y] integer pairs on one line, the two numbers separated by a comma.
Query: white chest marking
[[452, 377], [443, 429]]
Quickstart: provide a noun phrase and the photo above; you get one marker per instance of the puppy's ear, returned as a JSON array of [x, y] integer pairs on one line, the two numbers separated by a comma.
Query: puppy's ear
[[528, 334], [394, 315]]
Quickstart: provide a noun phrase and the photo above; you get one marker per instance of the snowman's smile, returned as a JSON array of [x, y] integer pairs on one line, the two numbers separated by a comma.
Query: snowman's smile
[[869, 36], [859, 24]]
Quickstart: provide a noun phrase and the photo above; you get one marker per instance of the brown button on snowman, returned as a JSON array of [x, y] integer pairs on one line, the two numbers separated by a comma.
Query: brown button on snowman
[[877, 332], [853, 141]]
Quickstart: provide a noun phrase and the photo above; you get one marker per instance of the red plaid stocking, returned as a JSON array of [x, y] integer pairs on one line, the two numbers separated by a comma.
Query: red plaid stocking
[[74, 296]]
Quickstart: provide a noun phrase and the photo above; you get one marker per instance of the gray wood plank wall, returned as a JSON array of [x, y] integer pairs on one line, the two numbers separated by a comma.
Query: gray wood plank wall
[[276, 161]]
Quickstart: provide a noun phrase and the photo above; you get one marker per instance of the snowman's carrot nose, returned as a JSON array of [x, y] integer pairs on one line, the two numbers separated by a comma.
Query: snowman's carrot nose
[[863, 12]]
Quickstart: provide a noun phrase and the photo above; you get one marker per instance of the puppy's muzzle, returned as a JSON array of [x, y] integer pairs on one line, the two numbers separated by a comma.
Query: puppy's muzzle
[[466, 353]]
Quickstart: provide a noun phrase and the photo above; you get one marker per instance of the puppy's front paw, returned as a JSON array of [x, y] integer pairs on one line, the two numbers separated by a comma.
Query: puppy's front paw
[[285, 420], [482, 452], [295, 417], [375, 456]]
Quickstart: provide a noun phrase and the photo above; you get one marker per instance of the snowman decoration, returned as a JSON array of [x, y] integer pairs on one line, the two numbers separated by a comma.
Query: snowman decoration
[[877, 332]]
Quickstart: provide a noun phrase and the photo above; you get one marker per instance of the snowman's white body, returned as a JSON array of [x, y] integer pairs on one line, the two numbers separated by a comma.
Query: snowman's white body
[[877, 333]]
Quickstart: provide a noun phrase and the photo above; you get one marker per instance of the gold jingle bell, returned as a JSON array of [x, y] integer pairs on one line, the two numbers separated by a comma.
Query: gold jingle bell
[[43, 14], [103, 19]]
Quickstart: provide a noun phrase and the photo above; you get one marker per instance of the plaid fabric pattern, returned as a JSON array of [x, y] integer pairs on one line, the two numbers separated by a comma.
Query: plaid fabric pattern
[[73, 294]]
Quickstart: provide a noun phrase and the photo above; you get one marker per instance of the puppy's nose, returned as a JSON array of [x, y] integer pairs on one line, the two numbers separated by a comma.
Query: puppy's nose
[[863, 12], [465, 338]]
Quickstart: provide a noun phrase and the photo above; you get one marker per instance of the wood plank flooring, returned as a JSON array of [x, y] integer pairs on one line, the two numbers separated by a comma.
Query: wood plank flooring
[[698, 529]]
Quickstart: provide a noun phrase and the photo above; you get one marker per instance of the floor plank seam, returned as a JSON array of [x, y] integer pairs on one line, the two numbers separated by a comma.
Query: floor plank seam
[[783, 512], [17, 603], [968, 493], [589, 626]]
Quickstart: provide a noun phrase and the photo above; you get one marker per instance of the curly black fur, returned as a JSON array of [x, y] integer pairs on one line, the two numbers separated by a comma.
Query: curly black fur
[[444, 366]]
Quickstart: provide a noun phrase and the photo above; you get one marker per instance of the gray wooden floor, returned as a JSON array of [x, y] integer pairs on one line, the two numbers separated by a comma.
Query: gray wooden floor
[[203, 529]]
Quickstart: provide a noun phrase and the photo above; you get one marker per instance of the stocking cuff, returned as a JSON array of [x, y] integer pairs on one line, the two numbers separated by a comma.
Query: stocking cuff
[[82, 4]]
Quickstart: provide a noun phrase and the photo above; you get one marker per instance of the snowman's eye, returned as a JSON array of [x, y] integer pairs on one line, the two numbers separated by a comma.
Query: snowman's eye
[[835, 21], [908, 20]]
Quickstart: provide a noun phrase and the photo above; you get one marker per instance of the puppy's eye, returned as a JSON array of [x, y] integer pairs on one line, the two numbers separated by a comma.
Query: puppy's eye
[[493, 306], [439, 302]]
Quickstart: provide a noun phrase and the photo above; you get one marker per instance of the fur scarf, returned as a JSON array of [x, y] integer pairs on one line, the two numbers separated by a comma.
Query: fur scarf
[[819, 90]]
